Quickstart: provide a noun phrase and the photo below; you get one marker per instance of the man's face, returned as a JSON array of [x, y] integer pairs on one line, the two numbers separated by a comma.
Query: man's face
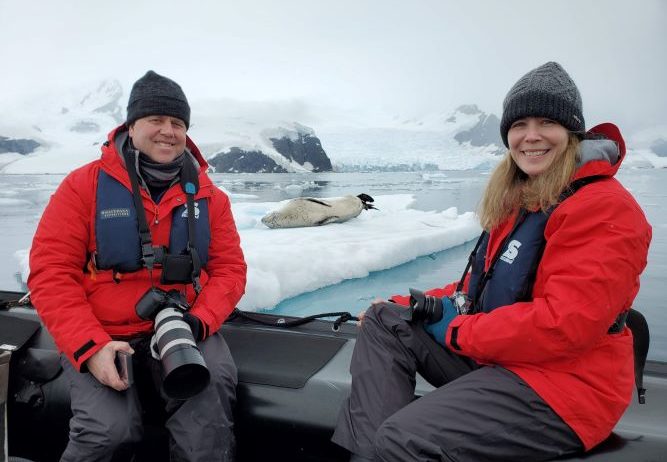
[[162, 138]]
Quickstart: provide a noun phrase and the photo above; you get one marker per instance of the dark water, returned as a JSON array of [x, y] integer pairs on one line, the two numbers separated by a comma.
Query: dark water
[[23, 197]]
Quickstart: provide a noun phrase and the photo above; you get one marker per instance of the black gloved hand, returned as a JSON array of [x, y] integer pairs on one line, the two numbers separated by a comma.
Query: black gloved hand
[[196, 326]]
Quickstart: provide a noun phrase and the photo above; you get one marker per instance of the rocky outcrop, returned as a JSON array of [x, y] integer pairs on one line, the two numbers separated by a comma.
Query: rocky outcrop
[[484, 133], [21, 146], [305, 149], [294, 149], [237, 160]]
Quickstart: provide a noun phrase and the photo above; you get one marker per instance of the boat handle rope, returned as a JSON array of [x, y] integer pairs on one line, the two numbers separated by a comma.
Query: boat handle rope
[[343, 316]]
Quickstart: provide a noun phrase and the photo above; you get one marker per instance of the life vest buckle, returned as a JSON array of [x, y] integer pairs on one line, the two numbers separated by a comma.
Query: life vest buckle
[[148, 255]]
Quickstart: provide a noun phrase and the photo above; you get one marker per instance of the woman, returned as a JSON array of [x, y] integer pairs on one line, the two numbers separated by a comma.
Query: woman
[[541, 364]]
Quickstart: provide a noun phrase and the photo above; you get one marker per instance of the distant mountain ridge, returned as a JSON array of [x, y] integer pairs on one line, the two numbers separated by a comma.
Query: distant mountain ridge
[[74, 125], [485, 132], [466, 138], [287, 148], [20, 146], [56, 133], [249, 137]]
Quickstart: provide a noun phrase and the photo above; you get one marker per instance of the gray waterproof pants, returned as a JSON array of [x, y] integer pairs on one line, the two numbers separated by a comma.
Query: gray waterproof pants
[[106, 422], [476, 413]]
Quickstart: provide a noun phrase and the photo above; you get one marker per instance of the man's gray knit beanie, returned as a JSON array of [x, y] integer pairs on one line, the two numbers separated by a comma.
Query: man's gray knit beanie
[[154, 94], [547, 91]]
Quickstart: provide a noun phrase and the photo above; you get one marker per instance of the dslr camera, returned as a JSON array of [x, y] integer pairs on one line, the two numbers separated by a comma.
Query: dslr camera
[[184, 370], [428, 308]]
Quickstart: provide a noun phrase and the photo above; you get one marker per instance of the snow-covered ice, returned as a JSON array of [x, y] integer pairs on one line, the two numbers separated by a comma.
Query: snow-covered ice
[[283, 263]]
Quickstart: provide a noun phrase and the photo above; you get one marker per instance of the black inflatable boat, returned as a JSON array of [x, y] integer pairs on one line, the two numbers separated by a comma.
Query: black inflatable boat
[[292, 382]]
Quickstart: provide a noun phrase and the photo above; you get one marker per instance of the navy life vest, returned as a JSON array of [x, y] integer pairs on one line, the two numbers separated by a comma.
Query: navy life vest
[[511, 277], [117, 229]]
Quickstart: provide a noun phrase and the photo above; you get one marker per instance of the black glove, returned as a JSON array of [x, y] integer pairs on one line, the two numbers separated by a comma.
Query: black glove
[[196, 326]]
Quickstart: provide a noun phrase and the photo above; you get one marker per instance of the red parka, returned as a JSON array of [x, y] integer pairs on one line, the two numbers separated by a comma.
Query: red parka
[[596, 247], [84, 309]]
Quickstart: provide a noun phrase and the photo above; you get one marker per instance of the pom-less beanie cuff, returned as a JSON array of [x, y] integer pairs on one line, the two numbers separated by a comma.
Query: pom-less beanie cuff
[[154, 94], [547, 91]]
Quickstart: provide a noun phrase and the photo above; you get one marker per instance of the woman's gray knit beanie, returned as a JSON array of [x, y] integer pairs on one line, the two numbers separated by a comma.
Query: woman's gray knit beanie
[[546, 91]]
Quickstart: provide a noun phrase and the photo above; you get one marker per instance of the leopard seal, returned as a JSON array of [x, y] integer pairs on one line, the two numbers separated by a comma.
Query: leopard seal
[[311, 211]]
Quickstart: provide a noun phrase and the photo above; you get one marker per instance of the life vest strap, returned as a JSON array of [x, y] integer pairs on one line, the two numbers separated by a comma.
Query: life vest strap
[[619, 323], [641, 339]]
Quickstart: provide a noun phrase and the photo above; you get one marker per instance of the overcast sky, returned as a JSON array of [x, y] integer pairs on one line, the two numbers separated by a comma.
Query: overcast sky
[[398, 57]]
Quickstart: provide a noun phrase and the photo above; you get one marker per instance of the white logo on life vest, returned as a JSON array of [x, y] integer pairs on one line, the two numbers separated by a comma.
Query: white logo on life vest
[[108, 214], [511, 252], [185, 212]]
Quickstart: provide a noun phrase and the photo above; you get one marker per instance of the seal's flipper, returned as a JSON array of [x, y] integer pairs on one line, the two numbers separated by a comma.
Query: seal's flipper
[[328, 220], [316, 201]]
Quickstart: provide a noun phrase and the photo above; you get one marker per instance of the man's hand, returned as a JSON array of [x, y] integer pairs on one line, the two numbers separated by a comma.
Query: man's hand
[[103, 367]]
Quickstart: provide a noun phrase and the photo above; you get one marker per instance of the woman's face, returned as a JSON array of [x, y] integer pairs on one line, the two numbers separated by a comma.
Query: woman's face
[[535, 142]]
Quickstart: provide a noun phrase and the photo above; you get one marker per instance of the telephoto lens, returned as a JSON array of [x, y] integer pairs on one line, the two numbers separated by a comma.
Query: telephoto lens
[[183, 367]]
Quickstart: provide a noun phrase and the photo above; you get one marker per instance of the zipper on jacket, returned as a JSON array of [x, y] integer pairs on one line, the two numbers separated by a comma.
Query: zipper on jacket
[[157, 218]]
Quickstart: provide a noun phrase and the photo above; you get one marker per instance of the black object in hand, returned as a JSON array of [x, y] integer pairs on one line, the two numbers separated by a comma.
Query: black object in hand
[[423, 307], [123, 363]]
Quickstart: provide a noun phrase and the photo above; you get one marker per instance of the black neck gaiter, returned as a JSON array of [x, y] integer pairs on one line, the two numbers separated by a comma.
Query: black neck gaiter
[[157, 175]]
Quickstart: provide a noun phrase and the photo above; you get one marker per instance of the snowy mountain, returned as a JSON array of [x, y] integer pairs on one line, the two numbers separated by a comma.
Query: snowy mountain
[[65, 129], [458, 140], [298, 149], [484, 133], [55, 133]]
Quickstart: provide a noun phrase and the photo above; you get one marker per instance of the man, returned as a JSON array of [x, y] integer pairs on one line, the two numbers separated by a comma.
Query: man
[[144, 219]]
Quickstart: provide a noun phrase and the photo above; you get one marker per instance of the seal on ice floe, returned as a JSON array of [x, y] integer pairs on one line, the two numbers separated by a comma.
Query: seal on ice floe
[[309, 211]]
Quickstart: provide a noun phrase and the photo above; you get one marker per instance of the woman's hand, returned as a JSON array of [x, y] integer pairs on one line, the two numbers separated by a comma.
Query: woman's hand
[[361, 314]]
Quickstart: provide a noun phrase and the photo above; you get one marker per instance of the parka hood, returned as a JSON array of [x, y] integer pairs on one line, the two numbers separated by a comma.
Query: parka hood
[[601, 152]]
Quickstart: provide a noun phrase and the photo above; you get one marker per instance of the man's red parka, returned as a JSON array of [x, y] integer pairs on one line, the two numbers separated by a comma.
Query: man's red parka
[[83, 308]]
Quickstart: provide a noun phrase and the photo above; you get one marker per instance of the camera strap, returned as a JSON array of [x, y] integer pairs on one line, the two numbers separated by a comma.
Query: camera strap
[[471, 258], [190, 185], [147, 251]]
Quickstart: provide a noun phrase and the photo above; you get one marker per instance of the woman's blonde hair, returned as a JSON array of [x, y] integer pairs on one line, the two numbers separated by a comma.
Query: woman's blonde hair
[[509, 188]]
